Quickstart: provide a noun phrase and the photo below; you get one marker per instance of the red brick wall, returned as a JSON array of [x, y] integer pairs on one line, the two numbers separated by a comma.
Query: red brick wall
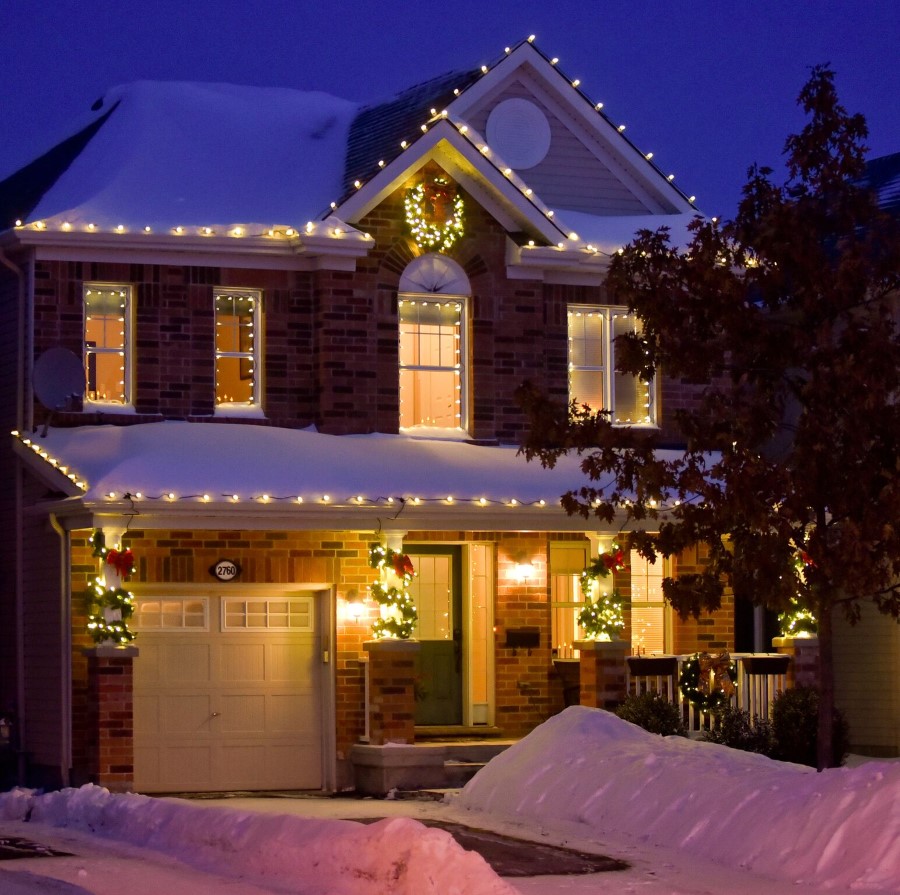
[[711, 632], [330, 337]]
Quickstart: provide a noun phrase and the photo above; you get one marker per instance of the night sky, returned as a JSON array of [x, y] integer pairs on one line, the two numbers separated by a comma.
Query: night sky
[[708, 87]]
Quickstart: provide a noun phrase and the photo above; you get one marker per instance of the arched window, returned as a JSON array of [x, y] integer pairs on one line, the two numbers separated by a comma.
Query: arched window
[[432, 310]]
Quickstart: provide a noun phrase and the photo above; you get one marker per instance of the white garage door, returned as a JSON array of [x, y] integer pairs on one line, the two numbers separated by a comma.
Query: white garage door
[[227, 694]]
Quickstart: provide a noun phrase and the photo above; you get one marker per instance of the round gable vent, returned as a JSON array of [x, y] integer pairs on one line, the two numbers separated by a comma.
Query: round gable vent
[[519, 131]]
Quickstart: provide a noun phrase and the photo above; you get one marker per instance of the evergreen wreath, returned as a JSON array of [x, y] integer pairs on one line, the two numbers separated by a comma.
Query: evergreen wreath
[[707, 681], [440, 228], [400, 622]]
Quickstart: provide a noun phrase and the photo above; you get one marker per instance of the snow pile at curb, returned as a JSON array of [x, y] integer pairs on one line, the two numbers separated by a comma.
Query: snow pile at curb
[[588, 767], [337, 857]]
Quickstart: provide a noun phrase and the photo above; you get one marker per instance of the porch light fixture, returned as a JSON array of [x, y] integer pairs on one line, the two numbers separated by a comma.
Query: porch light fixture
[[522, 571]]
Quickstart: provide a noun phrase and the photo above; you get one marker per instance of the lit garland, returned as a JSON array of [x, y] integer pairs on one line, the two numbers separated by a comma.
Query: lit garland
[[110, 608], [602, 619], [442, 227], [399, 615], [798, 622], [708, 681]]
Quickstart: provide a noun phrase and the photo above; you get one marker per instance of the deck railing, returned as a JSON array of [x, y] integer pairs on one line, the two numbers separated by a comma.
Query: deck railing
[[760, 676]]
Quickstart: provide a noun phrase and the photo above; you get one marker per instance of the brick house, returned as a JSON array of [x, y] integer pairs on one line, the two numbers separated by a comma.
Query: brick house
[[296, 326]]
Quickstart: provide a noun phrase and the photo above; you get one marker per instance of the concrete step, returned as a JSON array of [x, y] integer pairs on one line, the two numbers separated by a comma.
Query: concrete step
[[458, 773]]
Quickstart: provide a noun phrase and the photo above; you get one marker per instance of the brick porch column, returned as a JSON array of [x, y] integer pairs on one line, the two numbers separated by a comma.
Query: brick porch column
[[110, 720], [392, 700], [803, 670], [602, 672]]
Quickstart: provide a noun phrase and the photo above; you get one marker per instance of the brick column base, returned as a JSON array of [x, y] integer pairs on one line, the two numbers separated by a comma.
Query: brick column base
[[602, 672], [392, 699], [110, 718], [803, 670]]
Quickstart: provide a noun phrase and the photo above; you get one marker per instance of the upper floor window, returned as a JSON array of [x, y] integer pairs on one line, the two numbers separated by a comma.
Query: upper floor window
[[432, 314], [237, 348], [593, 377], [107, 343]]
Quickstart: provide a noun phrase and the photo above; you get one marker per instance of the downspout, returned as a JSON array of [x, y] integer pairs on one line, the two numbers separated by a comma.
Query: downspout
[[22, 327], [65, 677]]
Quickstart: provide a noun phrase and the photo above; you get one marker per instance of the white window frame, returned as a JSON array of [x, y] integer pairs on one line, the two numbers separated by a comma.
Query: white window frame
[[608, 316], [108, 405], [254, 406], [461, 367], [660, 569], [182, 628], [308, 601]]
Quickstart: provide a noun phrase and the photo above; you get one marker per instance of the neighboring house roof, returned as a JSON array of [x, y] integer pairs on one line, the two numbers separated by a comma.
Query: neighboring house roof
[[269, 468], [883, 176], [230, 161]]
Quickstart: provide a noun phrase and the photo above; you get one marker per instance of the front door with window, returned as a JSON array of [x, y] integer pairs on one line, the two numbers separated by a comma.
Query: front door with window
[[437, 592]]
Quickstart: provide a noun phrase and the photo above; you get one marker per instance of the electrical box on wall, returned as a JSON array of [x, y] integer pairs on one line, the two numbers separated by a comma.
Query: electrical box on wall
[[523, 638]]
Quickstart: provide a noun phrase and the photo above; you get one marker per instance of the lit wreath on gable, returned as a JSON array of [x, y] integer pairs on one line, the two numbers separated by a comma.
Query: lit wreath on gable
[[434, 214], [391, 591]]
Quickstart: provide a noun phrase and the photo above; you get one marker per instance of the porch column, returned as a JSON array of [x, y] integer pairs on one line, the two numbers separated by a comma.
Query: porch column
[[392, 700], [602, 672], [803, 670], [110, 718]]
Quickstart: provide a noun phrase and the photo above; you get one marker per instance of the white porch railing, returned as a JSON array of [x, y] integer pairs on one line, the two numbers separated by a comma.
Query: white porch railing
[[760, 677]]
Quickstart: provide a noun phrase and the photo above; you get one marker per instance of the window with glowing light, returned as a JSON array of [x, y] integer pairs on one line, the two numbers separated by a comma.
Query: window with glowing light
[[432, 368], [237, 341], [593, 377], [107, 343], [650, 628]]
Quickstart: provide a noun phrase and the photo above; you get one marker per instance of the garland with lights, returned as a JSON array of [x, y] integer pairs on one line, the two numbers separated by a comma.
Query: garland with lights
[[708, 681], [110, 608], [798, 622], [434, 214], [399, 615], [602, 619]]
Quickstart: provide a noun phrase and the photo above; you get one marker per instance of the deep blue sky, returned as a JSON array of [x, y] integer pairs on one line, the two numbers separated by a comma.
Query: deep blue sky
[[709, 87]]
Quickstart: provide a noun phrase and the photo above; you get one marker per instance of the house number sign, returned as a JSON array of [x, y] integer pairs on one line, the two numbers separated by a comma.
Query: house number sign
[[225, 570]]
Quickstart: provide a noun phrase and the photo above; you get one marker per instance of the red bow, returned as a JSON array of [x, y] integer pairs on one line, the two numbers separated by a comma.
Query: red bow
[[403, 565], [122, 562], [614, 561]]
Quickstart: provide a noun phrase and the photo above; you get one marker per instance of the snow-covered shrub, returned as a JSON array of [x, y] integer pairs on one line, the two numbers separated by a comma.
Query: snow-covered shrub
[[736, 729], [654, 713]]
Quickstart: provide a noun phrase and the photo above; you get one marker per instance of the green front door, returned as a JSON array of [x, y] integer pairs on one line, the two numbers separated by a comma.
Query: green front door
[[437, 592]]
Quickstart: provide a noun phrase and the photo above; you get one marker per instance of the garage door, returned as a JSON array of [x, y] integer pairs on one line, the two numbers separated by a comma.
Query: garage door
[[227, 694]]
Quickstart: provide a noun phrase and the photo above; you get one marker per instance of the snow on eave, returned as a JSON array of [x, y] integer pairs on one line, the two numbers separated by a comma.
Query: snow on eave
[[212, 469]]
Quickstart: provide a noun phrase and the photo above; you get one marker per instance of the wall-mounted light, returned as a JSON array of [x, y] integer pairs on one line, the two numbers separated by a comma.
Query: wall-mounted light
[[522, 571], [354, 607]]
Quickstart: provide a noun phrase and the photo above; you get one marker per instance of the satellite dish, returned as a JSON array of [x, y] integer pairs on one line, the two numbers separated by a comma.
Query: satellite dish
[[58, 378]]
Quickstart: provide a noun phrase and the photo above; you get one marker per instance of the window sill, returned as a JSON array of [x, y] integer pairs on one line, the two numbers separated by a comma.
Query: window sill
[[104, 407], [435, 433], [254, 412]]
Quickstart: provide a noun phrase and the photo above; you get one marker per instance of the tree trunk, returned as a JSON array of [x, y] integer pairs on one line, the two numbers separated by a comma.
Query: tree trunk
[[825, 745]]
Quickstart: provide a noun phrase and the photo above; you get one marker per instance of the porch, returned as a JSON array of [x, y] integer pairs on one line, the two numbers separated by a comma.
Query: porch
[[398, 755]]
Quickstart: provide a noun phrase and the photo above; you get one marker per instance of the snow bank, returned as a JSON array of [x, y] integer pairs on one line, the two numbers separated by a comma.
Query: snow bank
[[588, 767], [327, 857]]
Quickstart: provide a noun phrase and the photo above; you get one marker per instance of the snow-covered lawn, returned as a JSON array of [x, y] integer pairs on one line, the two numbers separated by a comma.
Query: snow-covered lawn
[[691, 817]]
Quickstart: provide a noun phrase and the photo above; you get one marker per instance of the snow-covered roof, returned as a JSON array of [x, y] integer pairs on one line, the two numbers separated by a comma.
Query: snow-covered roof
[[177, 159], [215, 469], [174, 153]]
